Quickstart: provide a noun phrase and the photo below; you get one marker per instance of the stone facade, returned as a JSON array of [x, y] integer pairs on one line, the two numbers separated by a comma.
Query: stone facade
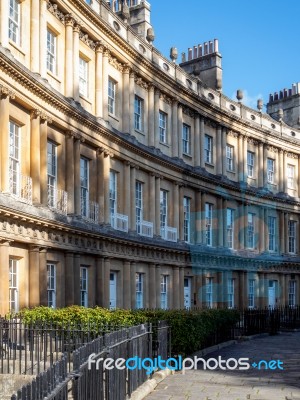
[[127, 181]]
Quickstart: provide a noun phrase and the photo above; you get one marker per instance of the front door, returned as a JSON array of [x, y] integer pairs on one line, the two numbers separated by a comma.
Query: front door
[[187, 292], [272, 293], [113, 291]]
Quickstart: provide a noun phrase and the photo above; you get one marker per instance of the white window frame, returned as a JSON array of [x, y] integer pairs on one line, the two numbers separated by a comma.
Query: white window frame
[[113, 194], [14, 157], [250, 231], [230, 228], [112, 91], [84, 186], [208, 223], [139, 290], [13, 279], [208, 146], [270, 170], [292, 235], [292, 293], [230, 292], [51, 51], [163, 118], [164, 292], [209, 292], [250, 164], [186, 139], [51, 285], [290, 176], [51, 173], [84, 286], [229, 157], [163, 210], [14, 21], [138, 113], [186, 219], [251, 293], [138, 205], [83, 77], [272, 233]]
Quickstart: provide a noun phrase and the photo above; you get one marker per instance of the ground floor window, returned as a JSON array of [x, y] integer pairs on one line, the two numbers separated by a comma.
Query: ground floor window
[[51, 285], [13, 285]]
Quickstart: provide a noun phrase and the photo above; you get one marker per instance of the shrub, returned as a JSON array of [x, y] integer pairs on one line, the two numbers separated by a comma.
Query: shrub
[[190, 330]]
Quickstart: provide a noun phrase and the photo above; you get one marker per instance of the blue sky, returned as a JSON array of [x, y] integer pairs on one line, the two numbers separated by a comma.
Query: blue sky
[[258, 39]]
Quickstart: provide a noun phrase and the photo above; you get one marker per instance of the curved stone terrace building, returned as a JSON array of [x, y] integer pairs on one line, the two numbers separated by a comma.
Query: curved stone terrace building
[[129, 180]]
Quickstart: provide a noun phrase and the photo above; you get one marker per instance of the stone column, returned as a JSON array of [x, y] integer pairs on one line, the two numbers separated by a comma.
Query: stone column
[[176, 208], [298, 176], [262, 229], [4, 281], [152, 284], [264, 171], [98, 80], [241, 227], [175, 128], [43, 39], [127, 288], [198, 238], [245, 152], [70, 173], [157, 279], [220, 222], [151, 116], [224, 217], [180, 233], [100, 183], [34, 276], [282, 294], [280, 170], [105, 84], [127, 189], [156, 118], [34, 36], [261, 181], [106, 300], [151, 191], [202, 141], [261, 292], [224, 144], [245, 206], [132, 214], [282, 232], [35, 157], [77, 279], [219, 150], [157, 206], [240, 158], [284, 169], [4, 8], [242, 290], [176, 288], [77, 184], [4, 129], [69, 22], [106, 174], [179, 132], [266, 229], [69, 279], [130, 100], [132, 285], [99, 290], [76, 31], [126, 98], [181, 287], [286, 224], [43, 161], [43, 278], [203, 222], [197, 141]]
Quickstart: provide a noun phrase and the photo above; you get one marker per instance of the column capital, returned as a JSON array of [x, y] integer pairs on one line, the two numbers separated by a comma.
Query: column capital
[[76, 27], [69, 19], [5, 242], [70, 134], [37, 113], [99, 47], [106, 52], [6, 92], [126, 69]]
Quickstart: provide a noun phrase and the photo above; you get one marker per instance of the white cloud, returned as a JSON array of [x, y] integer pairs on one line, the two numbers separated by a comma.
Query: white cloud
[[248, 100]]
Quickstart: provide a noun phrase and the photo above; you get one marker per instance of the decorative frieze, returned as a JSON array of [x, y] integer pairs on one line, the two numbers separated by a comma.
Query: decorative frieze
[[291, 155], [53, 9], [84, 37], [140, 82], [115, 63], [6, 92]]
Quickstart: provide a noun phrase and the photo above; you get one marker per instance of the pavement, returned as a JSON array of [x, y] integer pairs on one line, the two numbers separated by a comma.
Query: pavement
[[256, 383]]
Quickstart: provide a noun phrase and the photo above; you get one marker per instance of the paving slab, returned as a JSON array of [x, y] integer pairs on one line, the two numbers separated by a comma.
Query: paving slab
[[253, 384]]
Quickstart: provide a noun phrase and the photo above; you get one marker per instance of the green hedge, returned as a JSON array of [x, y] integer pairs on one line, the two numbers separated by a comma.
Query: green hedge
[[190, 330]]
